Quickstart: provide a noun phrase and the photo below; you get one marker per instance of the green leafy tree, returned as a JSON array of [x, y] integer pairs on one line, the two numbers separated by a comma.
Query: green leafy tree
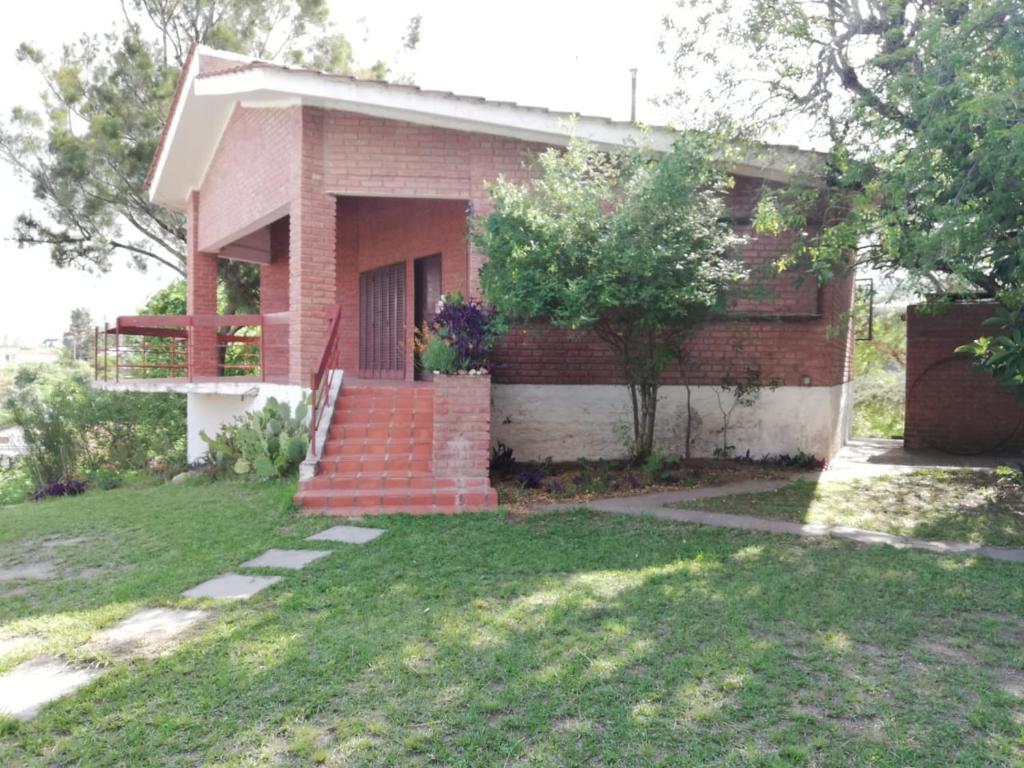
[[79, 337], [879, 372], [87, 152], [922, 106], [631, 245]]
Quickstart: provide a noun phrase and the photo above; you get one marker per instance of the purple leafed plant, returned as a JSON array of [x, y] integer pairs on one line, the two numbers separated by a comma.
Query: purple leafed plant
[[59, 488], [469, 327]]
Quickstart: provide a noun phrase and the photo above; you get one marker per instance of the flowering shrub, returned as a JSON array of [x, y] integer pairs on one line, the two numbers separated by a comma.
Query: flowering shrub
[[468, 329]]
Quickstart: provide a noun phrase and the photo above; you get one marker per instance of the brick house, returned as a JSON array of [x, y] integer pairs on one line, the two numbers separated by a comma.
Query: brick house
[[353, 198]]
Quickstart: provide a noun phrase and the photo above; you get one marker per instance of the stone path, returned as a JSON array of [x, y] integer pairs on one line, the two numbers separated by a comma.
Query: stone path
[[350, 534], [660, 505], [231, 586], [31, 685], [27, 688], [289, 559]]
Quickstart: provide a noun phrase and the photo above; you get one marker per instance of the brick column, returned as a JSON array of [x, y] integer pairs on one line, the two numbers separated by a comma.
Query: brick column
[[312, 286], [201, 283], [274, 298], [462, 437]]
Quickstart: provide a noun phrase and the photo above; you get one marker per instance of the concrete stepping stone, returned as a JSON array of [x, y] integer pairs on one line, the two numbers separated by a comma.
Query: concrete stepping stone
[[231, 586], [27, 688], [350, 534], [146, 632], [292, 559]]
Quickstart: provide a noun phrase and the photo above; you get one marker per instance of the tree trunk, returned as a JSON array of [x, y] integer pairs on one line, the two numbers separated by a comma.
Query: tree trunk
[[644, 399]]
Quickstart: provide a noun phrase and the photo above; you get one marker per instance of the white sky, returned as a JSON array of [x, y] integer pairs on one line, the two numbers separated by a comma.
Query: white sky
[[571, 54]]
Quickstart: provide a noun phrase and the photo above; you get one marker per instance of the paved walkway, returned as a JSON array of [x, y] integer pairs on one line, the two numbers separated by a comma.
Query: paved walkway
[[871, 457], [860, 458]]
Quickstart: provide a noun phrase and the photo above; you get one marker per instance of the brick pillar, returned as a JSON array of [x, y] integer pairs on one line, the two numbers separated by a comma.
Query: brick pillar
[[274, 298], [312, 286], [201, 282], [462, 437]]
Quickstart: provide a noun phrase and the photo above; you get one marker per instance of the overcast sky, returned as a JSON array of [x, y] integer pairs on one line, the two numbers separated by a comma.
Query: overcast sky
[[569, 55]]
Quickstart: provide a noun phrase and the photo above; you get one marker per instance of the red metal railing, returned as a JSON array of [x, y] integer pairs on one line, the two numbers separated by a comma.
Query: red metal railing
[[323, 378], [188, 347]]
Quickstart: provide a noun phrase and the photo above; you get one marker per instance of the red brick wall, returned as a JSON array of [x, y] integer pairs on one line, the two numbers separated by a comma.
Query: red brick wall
[[251, 175], [201, 295], [810, 337], [950, 405], [274, 298], [371, 156], [462, 428], [375, 232], [312, 292]]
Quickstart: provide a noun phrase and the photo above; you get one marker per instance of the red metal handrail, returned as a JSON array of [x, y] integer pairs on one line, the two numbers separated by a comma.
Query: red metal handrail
[[169, 338], [322, 378]]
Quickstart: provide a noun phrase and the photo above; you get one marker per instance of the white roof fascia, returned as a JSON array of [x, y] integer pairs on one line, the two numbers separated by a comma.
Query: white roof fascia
[[426, 108]]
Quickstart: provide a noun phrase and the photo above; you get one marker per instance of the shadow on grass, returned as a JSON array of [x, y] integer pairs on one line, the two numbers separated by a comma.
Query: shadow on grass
[[950, 505], [574, 639]]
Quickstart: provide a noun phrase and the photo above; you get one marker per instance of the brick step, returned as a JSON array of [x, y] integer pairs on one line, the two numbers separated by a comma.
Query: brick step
[[347, 465], [359, 502], [378, 481], [361, 430], [397, 430], [371, 499], [420, 417], [344, 512], [372, 448]]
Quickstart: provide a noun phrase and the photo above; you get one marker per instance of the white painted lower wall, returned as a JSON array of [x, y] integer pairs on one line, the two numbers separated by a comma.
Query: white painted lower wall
[[218, 404], [567, 422]]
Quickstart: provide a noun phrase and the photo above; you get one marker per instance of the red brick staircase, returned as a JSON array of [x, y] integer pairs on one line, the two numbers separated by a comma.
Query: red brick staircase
[[379, 457]]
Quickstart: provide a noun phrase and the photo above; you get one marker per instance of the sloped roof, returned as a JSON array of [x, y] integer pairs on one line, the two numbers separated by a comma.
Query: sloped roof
[[206, 95]]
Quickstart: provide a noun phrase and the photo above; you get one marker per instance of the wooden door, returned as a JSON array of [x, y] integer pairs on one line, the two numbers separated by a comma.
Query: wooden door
[[428, 293], [382, 322]]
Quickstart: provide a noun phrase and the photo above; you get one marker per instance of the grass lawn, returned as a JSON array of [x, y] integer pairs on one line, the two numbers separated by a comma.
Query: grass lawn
[[953, 505], [563, 639]]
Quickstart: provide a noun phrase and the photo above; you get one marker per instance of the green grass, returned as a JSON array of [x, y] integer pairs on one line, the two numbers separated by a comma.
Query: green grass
[[564, 639], [951, 505]]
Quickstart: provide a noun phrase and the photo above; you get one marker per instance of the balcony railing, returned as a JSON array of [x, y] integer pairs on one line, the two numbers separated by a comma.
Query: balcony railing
[[193, 347]]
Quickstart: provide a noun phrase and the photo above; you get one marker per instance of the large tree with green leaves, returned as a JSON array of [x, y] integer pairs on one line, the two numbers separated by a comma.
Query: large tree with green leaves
[[87, 151], [922, 105], [631, 245]]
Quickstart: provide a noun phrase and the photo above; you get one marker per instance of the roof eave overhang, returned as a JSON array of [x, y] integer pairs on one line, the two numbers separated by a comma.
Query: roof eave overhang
[[206, 104]]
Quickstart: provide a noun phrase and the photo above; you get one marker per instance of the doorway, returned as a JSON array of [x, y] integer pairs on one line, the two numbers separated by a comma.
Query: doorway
[[382, 322], [427, 271]]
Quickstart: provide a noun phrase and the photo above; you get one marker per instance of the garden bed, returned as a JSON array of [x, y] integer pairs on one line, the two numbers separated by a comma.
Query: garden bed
[[529, 484]]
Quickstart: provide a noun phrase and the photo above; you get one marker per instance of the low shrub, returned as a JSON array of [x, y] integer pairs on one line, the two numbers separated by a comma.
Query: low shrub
[[460, 337], [60, 488], [503, 461], [661, 467], [1010, 476], [530, 478], [438, 356], [72, 430], [798, 460], [268, 443], [16, 483]]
